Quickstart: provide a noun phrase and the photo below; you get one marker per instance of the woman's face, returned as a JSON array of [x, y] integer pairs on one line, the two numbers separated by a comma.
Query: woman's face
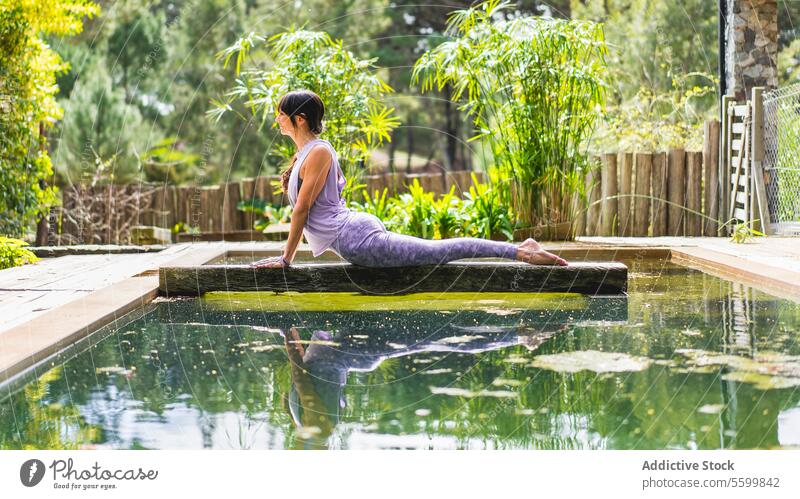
[[285, 124]]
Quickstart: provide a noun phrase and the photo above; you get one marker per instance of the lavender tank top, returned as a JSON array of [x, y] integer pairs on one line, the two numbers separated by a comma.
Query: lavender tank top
[[329, 213]]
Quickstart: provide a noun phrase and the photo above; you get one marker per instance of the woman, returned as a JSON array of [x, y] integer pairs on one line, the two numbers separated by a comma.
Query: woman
[[314, 184]]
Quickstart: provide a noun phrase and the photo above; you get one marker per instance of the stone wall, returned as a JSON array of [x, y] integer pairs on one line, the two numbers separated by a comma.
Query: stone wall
[[751, 46]]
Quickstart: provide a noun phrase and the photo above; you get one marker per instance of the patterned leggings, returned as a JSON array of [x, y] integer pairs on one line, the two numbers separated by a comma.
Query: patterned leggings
[[365, 241]]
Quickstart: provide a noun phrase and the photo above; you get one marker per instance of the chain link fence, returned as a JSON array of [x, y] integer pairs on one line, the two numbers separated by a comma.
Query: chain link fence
[[782, 158]]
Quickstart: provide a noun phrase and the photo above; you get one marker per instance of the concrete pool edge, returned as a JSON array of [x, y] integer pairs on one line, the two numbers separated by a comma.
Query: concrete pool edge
[[27, 344], [590, 278], [769, 264], [771, 280]]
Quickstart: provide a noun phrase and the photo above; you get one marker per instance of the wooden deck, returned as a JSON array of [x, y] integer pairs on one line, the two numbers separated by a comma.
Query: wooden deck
[[29, 291], [46, 306]]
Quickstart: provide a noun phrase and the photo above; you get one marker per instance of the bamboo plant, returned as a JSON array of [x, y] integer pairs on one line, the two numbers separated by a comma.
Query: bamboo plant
[[534, 88], [357, 120]]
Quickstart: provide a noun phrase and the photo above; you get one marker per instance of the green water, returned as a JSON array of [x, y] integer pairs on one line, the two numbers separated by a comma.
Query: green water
[[686, 360]]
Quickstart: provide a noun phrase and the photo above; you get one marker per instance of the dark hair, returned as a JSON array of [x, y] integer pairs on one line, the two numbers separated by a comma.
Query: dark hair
[[303, 103]]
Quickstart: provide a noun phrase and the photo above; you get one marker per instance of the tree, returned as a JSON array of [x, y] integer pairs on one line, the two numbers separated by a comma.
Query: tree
[[358, 22], [135, 48], [27, 103], [662, 68], [789, 64], [433, 121], [788, 19], [195, 78], [652, 42], [100, 123]]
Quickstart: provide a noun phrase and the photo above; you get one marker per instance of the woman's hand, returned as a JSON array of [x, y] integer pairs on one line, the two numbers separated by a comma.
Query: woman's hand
[[273, 262]]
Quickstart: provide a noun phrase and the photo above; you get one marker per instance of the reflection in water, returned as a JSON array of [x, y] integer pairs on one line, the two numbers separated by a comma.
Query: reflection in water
[[319, 370], [429, 371]]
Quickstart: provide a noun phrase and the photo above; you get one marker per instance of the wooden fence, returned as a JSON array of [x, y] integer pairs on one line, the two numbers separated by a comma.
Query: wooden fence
[[667, 193]]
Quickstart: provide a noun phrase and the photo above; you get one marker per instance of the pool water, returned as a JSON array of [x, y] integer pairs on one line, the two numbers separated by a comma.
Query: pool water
[[685, 361]]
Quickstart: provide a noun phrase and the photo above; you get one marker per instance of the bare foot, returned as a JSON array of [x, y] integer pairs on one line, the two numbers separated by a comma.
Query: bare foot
[[531, 252]]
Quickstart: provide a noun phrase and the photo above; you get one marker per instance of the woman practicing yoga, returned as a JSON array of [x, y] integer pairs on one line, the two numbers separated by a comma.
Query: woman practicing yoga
[[314, 183]]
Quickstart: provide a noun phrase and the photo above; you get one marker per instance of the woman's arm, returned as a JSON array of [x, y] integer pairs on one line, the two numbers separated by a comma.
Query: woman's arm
[[316, 167]]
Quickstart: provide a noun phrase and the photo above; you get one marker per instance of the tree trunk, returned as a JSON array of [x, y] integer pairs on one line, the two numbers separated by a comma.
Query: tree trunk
[[392, 150], [560, 8], [451, 118], [410, 144], [42, 227]]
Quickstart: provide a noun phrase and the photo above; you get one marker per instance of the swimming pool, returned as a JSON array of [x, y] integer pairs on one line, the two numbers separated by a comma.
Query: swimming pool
[[685, 360]]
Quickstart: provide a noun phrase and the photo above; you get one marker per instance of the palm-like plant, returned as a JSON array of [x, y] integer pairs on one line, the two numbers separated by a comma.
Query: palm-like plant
[[415, 209], [447, 215], [534, 88], [377, 203], [488, 216], [356, 119]]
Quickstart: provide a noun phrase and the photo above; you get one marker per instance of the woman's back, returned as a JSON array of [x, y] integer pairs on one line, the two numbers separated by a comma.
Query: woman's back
[[329, 212]]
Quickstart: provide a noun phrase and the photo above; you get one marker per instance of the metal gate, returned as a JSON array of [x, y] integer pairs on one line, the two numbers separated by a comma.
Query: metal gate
[[781, 165]]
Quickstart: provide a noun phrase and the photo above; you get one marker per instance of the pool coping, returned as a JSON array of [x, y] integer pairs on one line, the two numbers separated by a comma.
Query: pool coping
[[588, 278], [30, 343]]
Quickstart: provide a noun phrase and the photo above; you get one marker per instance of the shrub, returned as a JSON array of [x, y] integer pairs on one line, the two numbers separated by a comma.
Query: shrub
[[376, 204], [483, 213], [448, 215], [413, 213], [13, 253], [488, 215], [267, 213]]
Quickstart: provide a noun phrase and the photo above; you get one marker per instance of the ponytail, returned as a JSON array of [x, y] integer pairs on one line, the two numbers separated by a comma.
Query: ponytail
[[286, 174]]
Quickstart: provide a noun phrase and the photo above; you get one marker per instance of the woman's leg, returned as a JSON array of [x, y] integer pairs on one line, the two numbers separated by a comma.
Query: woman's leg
[[365, 241], [399, 250]]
